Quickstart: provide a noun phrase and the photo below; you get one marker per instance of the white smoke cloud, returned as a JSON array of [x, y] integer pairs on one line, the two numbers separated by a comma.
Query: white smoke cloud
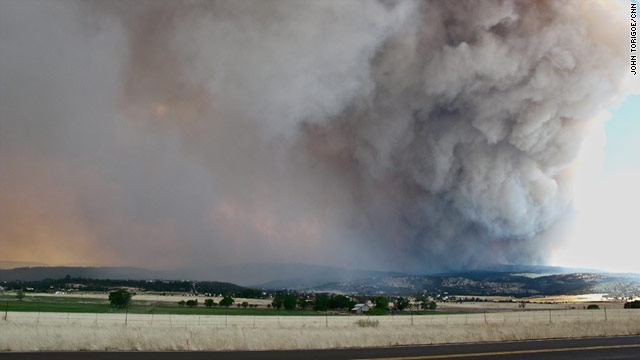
[[398, 134]]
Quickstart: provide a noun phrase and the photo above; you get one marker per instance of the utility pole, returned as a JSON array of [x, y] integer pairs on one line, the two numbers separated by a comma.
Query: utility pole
[[411, 309]]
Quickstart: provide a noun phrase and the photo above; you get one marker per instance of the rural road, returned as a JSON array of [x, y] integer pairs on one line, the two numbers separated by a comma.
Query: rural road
[[625, 347]]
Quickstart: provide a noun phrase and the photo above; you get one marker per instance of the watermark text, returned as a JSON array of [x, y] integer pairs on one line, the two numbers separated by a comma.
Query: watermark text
[[633, 41]]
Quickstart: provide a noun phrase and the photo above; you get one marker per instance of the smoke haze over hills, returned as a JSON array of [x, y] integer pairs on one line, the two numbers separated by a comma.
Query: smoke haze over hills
[[410, 135]]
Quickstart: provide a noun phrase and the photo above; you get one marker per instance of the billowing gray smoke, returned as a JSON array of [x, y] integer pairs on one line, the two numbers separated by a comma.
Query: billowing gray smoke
[[414, 135]]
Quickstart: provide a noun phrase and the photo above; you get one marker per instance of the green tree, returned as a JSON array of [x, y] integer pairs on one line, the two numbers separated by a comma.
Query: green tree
[[302, 303], [420, 301], [290, 302], [632, 304], [425, 304], [209, 303], [181, 303], [245, 304], [321, 303], [339, 302], [227, 301], [278, 302], [192, 303], [120, 299], [381, 302], [401, 303], [20, 294]]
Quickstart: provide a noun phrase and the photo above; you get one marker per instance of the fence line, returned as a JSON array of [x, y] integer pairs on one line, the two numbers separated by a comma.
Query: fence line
[[269, 321]]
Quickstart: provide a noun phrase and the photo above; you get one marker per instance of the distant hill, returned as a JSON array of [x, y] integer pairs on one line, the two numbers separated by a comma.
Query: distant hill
[[57, 272], [18, 264], [214, 288], [508, 281], [252, 275], [488, 283]]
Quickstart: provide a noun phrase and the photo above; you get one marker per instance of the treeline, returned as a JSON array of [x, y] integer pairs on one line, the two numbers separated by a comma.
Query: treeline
[[319, 302], [103, 285], [632, 305], [292, 301], [379, 305]]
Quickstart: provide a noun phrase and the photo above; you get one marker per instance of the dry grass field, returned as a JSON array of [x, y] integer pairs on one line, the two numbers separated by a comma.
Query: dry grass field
[[23, 331]]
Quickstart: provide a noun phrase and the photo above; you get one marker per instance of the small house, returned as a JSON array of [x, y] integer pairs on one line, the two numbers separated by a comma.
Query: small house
[[362, 308]]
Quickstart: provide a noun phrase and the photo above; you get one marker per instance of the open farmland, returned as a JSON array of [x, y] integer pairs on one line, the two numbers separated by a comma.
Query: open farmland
[[141, 299], [81, 302]]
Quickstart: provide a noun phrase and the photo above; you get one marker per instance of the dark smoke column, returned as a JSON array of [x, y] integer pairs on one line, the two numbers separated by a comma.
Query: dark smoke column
[[461, 155]]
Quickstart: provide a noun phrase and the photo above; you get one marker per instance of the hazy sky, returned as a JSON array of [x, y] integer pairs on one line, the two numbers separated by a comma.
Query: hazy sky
[[404, 135], [603, 234]]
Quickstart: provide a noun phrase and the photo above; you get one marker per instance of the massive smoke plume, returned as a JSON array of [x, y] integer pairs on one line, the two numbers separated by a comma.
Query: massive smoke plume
[[413, 135]]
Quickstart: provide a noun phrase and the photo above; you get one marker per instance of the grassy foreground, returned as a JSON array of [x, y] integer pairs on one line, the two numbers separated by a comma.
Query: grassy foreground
[[50, 323], [25, 331]]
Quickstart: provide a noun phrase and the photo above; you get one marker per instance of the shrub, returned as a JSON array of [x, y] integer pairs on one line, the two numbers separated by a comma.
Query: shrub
[[367, 323], [593, 307], [376, 311], [20, 295]]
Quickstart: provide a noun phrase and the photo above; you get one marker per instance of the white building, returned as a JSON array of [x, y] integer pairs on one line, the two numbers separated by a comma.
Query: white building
[[362, 308]]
